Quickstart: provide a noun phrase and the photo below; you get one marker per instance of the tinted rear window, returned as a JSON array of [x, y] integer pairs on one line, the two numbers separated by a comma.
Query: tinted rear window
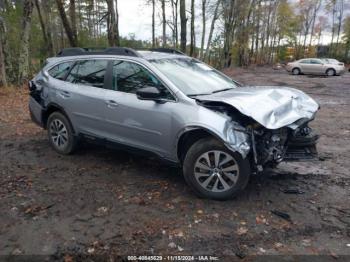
[[60, 71], [89, 72]]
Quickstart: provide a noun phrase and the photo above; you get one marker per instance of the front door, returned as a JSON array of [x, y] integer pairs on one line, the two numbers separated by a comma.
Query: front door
[[139, 123]]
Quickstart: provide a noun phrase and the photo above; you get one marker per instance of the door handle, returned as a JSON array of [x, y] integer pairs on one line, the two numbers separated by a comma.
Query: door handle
[[111, 103], [64, 94]]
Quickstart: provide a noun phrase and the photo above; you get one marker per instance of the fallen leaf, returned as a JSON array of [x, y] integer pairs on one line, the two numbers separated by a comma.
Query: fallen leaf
[[242, 230]]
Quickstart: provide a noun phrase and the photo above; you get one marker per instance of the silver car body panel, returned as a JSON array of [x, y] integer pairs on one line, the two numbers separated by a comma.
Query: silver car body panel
[[157, 127]]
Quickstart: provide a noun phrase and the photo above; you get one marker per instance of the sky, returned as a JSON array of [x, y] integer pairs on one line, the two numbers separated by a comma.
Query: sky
[[135, 18]]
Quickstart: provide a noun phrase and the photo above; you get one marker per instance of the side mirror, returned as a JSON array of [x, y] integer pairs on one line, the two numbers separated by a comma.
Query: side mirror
[[148, 93]]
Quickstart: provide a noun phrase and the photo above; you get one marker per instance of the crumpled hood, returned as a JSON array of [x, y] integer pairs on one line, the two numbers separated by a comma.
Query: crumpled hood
[[272, 107]]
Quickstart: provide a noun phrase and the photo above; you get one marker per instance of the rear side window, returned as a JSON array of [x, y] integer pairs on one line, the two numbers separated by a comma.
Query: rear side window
[[315, 61], [305, 61], [88, 72], [60, 71]]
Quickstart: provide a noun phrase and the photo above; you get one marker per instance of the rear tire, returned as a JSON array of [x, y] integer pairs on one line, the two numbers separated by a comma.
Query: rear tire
[[330, 72], [213, 171], [61, 134], [296, 71]]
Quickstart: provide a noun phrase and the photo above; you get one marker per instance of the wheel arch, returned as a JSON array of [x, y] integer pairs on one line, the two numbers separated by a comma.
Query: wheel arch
[[51, 108], [297, 67], [189, 136], [331, 68]]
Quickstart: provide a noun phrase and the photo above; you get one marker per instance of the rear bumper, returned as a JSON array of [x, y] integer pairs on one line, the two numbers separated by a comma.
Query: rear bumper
[[36, 111]]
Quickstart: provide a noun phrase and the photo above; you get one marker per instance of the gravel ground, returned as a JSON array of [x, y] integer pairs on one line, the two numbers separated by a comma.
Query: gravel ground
[[103, 201]]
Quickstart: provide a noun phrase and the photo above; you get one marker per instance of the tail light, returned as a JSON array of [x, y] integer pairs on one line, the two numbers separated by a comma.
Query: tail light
[[31, 86]]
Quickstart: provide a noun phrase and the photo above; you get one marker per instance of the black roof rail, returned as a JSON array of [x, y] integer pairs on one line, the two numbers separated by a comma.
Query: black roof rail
[[76, 51], [71, 51], [121, 51], [167, 50]]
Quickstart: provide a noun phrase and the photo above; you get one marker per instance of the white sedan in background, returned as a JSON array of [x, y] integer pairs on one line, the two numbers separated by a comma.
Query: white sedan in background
[[316, 66]]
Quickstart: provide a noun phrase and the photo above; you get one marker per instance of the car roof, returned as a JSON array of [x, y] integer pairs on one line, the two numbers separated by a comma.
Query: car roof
[[151, 55]]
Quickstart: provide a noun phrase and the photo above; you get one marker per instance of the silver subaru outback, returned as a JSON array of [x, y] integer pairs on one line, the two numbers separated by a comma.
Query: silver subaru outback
[[175, 107]]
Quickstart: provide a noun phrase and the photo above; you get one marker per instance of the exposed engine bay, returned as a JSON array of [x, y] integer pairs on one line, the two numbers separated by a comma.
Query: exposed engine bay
[[269, 147]]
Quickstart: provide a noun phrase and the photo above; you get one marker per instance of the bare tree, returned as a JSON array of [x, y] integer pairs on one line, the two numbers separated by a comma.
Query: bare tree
[[72, 15], [340, 9], [67, 27], [153, 23], [212, 26], [163, 23], [174, 27], [23, 58], [204, 10], [3, 77], [193, 34], [317, 6], [112, 25], [117, 23], [183, 20], [45, 27]]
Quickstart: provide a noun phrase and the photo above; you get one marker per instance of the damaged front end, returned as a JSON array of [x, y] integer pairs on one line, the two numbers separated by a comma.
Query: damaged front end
[[268, 133], [270, 147]]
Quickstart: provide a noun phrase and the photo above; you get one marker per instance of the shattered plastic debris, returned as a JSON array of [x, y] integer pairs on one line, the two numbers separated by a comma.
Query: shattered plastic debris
[[281, 215]]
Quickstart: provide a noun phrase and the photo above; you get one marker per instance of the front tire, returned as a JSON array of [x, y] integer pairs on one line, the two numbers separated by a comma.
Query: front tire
[[215, 172], [296, 71], [61, 134]]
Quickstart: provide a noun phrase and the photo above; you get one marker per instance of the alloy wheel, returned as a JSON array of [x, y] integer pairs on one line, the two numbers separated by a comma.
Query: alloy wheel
[[58, 133], [216, 171]]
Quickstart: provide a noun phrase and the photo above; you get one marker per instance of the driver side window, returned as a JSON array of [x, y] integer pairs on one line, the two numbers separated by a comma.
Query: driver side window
[[128, 77]]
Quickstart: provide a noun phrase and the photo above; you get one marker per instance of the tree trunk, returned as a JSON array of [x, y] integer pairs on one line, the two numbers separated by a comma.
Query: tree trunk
[[3, 78], [257, 33], [174, 4], [183, 25], [204, 2], [212, 26], [72, 15], [44, 23], [112, 26], [153, 23], [23, 58], [193, 39], [316, 8], [175, 26], [340, 20], [163, 24], [117, 41], [333, 29], [66, 24]]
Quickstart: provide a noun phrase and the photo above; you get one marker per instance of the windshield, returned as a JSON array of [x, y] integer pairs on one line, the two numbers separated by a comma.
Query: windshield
[[193, 77]]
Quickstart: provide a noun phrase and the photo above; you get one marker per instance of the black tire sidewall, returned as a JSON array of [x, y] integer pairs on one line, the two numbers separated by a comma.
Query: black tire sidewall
[[71, 137], [297, 70], [332, 70], [205, 145]]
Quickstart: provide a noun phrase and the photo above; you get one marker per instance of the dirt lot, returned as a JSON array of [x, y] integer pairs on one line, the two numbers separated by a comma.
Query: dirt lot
[[103, 201]]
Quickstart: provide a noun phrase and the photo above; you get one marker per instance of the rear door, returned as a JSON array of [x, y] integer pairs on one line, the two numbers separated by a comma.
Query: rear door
[[82, 95], [305, 66], [317, 66]]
